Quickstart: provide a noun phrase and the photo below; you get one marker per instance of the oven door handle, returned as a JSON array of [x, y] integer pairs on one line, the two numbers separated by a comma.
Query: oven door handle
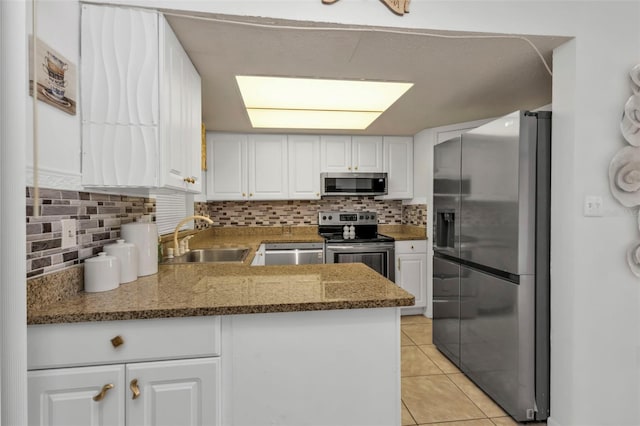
[[363, 246]]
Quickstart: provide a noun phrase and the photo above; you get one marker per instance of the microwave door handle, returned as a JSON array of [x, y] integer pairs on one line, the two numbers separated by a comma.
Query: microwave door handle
[[341, 247]]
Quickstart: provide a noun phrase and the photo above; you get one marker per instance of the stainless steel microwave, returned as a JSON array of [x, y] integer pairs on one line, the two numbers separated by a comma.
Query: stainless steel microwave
[[353, 183]]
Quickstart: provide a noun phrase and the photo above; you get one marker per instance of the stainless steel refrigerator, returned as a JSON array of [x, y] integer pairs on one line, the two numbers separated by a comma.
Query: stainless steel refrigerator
[[491, 259]]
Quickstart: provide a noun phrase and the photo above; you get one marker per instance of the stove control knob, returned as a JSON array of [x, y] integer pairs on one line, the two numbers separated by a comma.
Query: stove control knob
[[330, 217], [361, 217], [367, 217], [324, 218]]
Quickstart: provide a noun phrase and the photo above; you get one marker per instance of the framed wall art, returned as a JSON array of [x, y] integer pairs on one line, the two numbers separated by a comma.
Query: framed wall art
[[56, 77]]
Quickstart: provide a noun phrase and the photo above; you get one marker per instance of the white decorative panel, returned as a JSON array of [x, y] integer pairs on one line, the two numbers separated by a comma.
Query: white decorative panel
[[119, 63], [114, 155]]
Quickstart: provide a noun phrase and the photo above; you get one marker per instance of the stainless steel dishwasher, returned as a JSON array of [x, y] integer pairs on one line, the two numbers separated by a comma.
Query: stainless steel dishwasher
[[293, 253]]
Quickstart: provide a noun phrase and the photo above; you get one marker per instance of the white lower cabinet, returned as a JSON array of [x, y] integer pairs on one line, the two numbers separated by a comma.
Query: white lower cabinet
[[258, 258], [182, 391], [411, 269], [65, 396]]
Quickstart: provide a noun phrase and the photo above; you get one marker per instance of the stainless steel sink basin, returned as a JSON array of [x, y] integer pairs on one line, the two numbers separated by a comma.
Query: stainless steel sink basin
[[213, 255]]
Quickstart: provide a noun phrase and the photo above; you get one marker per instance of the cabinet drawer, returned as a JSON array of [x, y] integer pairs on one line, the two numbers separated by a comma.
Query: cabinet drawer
[[411, 246], [90, 343]]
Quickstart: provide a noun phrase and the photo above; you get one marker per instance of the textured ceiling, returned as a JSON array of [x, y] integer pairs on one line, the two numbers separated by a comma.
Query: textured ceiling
[[456, 80]]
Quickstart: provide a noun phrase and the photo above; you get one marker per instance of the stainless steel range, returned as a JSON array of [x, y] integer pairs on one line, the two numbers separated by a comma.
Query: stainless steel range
[[353, 237]]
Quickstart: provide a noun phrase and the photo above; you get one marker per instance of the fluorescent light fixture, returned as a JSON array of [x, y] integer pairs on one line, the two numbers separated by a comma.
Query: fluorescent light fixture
[[310, 119], [307, 103]]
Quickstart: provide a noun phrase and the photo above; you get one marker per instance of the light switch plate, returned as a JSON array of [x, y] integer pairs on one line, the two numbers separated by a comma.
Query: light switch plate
[[593, 206], [69, 233]]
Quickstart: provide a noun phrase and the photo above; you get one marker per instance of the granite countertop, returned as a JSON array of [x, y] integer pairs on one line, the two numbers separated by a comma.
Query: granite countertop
[[179, 290], [403, 232], [227, 289]]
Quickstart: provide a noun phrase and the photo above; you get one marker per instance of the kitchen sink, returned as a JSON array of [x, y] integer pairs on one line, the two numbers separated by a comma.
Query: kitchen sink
[[212, 255]]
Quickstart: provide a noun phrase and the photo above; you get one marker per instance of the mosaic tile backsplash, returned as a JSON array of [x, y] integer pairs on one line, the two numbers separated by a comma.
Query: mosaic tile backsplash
[[414, 214], [305, 212], [98, 216], [294, 212]]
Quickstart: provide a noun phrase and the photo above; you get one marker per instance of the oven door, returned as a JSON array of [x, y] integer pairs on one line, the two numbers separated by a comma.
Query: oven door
[[379, 257]]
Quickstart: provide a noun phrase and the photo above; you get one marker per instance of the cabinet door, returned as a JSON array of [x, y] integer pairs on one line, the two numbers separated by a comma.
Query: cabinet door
[[118, 46], [267, 167], [173, 108], [411, 275], [366, 153], [398, 163], [335, 155], [183, 392], [65, 396], [227, 164], [193, 95], [304, 167]]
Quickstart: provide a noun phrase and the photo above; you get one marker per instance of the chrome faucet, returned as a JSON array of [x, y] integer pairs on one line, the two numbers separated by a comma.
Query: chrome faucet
[[176, 246]]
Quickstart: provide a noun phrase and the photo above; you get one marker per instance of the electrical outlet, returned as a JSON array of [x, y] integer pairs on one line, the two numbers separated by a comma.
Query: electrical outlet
[[69, 233], [593, 206]]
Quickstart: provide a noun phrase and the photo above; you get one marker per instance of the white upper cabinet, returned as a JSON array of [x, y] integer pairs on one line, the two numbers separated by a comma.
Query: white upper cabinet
[[366, 153], [247, 167], [304, 167], [226, 166], [335, 153], [268, 167], [141, 105], [398, 163], [345, 154]]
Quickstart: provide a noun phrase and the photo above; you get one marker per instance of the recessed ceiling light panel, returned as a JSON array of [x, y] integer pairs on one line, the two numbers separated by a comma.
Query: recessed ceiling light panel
[[325, 98], [310, 119]]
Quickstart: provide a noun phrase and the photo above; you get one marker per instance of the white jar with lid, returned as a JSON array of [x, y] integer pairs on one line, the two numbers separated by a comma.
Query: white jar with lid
[[127, 254], [101, 273], [145, 237]]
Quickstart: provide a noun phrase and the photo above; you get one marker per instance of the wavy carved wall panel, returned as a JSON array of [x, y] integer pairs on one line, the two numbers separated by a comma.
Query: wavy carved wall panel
[[109, 151], [119, 66]]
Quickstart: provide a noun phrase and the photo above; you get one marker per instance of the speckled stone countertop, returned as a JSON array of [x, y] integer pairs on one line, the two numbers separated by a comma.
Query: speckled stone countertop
[[226, 289], [403, 232], [223, 288]]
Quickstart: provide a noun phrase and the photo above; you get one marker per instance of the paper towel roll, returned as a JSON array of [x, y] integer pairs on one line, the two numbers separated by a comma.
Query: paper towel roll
[[145, 237]]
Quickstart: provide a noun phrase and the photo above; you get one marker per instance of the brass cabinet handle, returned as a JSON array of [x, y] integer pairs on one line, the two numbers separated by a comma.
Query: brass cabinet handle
[[135, 390], [103, 392], [117, 341], [399, 263]]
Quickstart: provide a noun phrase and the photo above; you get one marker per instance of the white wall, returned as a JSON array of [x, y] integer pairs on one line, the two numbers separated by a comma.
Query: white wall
[[58, 25], [595, 299]]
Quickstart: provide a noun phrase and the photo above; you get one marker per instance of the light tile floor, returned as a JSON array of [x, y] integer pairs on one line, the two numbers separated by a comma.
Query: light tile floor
[[434, 391]]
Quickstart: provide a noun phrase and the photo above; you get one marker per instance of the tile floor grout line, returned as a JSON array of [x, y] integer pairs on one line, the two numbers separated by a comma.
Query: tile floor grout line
[[415, 422]]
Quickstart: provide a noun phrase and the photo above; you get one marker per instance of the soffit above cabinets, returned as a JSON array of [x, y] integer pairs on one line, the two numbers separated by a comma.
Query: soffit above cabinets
[[456, 80]]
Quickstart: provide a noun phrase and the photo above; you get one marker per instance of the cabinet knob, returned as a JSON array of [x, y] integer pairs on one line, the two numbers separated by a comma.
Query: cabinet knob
[[412, 248], [317, 194], [356, 167], [103, 392], [244, 194], [251, 194], [135, 390], [117, 341], [348, 168]]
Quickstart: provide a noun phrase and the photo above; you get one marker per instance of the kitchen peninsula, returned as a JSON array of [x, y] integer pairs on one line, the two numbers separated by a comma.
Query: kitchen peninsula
[[226, 344]]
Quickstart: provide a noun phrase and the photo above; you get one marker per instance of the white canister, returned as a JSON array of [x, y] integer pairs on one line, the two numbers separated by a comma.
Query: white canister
[[145, 238], [101, 273], [127, 254]]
